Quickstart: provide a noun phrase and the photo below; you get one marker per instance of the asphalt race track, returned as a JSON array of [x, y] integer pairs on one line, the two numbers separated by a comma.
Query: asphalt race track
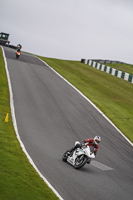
[[51, 116]]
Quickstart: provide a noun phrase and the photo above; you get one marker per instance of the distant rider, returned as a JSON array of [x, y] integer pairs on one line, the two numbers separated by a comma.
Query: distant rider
[[19, 47]]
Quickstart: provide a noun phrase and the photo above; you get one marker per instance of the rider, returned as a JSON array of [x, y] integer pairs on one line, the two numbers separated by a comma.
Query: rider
[[88, 142], [19, 47]]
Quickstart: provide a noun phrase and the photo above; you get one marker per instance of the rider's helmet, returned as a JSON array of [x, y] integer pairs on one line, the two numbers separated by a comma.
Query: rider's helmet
[[19, 46], [97, 139]]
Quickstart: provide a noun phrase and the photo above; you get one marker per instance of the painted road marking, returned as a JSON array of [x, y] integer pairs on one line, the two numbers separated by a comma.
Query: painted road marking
[[100, 166]]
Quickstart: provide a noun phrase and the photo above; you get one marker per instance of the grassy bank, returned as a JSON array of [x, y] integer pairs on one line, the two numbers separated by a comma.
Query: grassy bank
[[18, 179], [110, 94], [122, 67]]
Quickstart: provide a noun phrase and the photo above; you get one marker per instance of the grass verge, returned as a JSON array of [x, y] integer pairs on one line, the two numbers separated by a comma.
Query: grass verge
[[122, 67], [113, 96], [18, 179]]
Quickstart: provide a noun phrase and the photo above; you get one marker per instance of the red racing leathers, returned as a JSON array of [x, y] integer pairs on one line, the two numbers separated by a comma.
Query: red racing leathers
[[91, 142]]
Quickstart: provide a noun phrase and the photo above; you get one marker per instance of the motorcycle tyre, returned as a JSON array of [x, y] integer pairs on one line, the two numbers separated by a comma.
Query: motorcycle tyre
[[17, 56], [64, 157], [82, 164]]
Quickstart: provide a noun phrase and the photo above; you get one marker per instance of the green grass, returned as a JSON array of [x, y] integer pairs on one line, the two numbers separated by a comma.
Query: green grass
[[18, 179], [122, 67], [113, 96]]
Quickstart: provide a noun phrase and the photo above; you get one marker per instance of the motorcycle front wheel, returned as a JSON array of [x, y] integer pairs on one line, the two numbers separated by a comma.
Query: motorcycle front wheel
[[80, 161], [65, 156], [17, 56]]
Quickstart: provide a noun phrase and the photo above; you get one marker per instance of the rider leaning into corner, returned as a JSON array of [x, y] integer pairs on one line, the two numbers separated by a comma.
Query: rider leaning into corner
[[88, 142]]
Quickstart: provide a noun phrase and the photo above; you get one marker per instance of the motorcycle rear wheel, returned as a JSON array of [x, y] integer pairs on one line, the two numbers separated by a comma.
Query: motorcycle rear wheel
[[80, 161]]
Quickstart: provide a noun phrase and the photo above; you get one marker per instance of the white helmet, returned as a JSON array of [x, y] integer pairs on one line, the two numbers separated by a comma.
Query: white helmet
[[97, 139]]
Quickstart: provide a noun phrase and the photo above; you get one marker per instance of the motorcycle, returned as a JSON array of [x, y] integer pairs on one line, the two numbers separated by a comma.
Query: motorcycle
[[18, 53], [80, 156]]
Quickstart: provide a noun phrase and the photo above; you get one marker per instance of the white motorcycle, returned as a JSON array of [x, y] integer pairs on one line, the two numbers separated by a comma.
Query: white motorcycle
[[80, 156]]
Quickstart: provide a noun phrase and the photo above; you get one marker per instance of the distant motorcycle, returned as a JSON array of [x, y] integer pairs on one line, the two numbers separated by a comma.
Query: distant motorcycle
[[18, 53], [79, 157]]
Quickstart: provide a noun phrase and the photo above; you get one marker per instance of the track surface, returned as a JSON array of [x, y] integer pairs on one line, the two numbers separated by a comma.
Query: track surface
[[51, 116]]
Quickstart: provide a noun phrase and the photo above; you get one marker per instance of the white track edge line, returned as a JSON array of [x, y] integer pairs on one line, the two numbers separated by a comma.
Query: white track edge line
[[89, 102], [16, 130]]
